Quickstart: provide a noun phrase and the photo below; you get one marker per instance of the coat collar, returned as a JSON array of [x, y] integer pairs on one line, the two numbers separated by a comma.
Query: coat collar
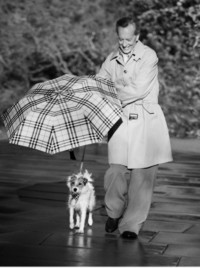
[[137, 52]]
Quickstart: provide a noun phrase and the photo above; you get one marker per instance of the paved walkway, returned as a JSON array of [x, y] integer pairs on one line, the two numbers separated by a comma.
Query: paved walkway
[[34, 222]]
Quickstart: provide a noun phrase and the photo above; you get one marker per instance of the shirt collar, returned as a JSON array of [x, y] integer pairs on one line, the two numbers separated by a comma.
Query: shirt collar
[[137, 52]]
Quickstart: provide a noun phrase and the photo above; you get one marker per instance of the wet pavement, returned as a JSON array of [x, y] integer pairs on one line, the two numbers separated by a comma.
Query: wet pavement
[[34, 229]]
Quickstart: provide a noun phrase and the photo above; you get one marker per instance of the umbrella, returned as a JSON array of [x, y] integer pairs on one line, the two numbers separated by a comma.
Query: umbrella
[[63, 113]]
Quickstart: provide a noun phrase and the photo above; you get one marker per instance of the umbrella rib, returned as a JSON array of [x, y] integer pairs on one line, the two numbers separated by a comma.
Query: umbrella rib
[[39, 123]]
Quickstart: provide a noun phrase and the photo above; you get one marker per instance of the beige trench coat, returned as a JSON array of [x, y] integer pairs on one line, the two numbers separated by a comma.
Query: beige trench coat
[[142, 140]]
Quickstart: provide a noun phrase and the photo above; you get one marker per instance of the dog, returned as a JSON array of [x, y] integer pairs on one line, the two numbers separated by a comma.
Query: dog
[[81, 200]]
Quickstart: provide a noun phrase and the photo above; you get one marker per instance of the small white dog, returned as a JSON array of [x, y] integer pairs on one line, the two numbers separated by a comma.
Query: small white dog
[[81, 200]]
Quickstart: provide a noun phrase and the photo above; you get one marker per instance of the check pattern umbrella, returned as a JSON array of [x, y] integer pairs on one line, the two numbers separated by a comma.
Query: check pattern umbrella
[[63, 113]]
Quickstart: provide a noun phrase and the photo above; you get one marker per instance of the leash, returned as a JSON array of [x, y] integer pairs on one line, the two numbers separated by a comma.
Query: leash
[[73, 157], [83, 155]]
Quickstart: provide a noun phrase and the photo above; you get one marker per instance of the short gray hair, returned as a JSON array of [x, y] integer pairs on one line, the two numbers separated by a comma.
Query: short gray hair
[[125, 21]]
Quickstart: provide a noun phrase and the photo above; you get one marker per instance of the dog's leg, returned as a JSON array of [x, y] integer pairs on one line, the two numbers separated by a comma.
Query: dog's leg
[[90, 220], [90, 208], [71, 218], [82, 221], [77, 220]]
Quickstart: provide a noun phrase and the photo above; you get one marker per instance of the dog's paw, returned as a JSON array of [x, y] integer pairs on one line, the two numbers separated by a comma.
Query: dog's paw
[[71, 225], [90, 221], [79, 231]]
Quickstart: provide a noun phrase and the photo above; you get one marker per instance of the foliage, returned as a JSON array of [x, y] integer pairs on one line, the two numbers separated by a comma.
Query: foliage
[[43, 39]]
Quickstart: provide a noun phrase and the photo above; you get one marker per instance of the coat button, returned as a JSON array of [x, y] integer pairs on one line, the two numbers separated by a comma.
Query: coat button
[[125, 71]]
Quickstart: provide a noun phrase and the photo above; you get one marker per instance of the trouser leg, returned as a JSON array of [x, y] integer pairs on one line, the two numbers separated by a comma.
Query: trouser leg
[[139, 199], [116, 187]]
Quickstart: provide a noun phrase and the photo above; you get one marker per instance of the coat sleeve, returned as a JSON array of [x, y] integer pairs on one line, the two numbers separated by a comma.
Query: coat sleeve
[[146, 78], [105, 71]]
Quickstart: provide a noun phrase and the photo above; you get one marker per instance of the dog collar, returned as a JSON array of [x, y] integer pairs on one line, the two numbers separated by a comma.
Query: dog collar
[[75, 196]]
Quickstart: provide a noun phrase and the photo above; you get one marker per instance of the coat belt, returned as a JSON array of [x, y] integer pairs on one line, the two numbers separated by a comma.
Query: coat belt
[[143, 103]]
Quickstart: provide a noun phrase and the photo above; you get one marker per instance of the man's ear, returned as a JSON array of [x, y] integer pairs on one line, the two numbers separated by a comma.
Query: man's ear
[[137, 37]]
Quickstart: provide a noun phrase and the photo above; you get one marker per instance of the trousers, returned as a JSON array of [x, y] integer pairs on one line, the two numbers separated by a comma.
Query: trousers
[[128, 195]]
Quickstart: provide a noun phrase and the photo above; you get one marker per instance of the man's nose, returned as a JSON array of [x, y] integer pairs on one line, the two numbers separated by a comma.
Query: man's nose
[[124, 43]]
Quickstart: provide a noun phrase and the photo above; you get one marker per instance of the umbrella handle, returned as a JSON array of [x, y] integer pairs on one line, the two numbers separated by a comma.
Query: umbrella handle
[[83, 155]]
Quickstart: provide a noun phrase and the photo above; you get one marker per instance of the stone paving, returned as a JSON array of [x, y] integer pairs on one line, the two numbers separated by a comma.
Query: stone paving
[[34, 222]]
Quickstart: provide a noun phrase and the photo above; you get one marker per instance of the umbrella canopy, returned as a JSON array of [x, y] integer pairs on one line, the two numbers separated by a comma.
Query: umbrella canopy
[[63, 113]]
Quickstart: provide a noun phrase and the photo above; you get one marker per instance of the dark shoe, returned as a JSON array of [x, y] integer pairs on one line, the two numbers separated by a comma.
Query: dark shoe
[[129, 235], [111, 225]]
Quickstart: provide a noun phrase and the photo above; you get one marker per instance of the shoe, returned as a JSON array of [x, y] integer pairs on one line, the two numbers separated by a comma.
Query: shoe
[[129, 235], [111, 225]]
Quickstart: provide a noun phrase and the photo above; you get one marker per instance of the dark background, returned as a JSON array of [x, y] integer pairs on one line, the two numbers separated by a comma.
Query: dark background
[[43, 39]]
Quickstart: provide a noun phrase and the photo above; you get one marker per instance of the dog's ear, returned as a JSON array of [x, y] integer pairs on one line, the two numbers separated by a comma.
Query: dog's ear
[[85, 181], [88, 175], [70, 179]]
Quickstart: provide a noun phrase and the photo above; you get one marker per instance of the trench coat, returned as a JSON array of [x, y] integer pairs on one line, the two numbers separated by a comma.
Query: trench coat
[[142, 140]]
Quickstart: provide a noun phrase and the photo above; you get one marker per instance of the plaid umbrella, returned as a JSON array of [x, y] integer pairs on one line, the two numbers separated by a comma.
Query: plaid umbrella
[[63, 113]]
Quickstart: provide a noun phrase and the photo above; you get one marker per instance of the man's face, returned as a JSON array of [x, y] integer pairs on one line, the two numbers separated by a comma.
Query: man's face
[[127, 38]]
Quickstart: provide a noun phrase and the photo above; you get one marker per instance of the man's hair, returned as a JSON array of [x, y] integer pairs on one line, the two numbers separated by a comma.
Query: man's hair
[[125, 21]]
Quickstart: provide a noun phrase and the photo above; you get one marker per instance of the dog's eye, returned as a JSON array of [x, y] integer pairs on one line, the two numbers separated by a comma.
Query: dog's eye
[[80, 183], [72, 183]]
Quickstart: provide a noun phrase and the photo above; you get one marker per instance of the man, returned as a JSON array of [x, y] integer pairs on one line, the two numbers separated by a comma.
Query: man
[[142, 141]]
